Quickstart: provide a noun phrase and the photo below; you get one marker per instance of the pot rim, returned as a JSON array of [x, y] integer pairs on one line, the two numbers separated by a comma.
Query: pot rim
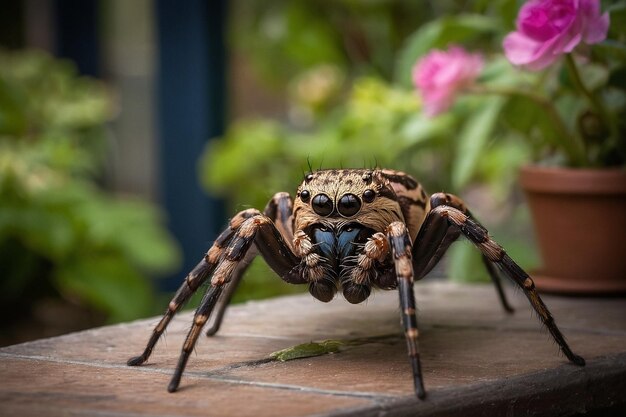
[[560, 180]]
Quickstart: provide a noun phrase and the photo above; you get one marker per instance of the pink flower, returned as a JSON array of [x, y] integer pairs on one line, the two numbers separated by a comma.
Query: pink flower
[[441, 75], [547, 29]]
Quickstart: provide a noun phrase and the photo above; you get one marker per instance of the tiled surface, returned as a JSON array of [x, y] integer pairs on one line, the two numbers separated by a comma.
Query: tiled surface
[[477, 360]]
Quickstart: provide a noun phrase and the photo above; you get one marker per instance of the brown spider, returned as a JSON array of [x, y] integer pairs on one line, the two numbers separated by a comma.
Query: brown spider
[[349, 229]]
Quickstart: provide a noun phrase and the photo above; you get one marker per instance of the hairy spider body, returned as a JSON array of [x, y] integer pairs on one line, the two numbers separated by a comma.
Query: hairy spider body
[[347, 230]]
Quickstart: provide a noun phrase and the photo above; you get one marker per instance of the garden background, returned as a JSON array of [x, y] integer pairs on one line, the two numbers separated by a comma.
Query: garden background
[[131, 131]]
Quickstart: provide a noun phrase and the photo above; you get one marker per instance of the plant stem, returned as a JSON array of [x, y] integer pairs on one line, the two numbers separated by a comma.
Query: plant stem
[[566, 139]]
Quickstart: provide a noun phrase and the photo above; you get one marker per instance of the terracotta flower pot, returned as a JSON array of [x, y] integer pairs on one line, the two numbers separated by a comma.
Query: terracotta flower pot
[[580, 223]]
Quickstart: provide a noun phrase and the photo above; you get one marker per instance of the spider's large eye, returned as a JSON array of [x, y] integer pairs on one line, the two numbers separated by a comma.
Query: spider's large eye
[[349, 205], [322, 204]]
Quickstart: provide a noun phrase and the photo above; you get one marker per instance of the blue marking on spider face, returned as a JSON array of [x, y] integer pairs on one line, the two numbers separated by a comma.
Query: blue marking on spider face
[[338, 244]]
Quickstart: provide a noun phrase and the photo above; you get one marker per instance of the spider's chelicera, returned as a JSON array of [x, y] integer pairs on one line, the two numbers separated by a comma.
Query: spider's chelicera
[[347, 230]]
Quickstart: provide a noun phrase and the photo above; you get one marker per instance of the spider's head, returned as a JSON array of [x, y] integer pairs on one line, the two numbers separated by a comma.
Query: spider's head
[[337, 196]]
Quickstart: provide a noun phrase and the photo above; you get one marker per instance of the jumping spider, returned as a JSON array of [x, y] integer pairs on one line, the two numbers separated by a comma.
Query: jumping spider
[[349, 229]]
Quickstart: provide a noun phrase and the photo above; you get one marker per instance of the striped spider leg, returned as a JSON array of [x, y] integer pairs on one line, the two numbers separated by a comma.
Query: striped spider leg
[[347, 230], [226, 259], [400, 242], [280, 210], [447, 220], [440, 236]]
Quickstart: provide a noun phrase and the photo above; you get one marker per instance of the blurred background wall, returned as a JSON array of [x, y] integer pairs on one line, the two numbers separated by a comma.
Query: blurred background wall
[[165, 62], [164, 65]]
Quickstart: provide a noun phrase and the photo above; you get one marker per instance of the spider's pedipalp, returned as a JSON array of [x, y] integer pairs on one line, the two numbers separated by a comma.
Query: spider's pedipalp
[[376, 249]]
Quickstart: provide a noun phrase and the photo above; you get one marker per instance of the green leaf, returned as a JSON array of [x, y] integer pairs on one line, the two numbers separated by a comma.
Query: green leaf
[[465, 263], [500, 165], [105, 280], [420, 128], [611, 49], [131, 227], [13, 119], [524, 116], [474, 138], [46, 232], [617, 13], [309, 41], [307, 350]]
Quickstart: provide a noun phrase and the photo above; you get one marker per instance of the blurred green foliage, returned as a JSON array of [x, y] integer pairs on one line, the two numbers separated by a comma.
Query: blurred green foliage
[[345, 69], [60, 234], [283, 39], [378, 125]]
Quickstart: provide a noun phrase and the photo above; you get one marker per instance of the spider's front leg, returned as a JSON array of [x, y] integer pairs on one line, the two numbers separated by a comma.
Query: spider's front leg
[[400, 243], [228, 254], [261, 231], [193, 281]]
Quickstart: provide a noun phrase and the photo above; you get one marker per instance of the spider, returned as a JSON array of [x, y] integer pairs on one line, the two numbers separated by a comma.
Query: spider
[[347, 230]]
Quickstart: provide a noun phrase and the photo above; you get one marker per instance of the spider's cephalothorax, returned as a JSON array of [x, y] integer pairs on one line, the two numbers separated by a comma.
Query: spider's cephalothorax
[[347, 230], [344, 215]]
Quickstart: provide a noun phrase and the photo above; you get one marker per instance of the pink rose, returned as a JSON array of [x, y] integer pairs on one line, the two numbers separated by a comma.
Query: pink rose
[[441, 75], [547, 29]]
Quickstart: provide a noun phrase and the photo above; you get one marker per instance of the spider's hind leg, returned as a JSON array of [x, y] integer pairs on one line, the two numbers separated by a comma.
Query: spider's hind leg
[[435, 237], [497, 256]]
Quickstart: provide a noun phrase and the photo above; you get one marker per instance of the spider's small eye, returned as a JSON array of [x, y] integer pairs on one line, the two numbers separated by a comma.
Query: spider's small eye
[[305, 195], [349, 205], [367, 177], [322, 205], [308, 177], [369, 195]]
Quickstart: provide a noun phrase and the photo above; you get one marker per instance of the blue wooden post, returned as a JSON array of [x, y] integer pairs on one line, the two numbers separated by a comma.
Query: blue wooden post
[[77, 34], [191, 78]]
